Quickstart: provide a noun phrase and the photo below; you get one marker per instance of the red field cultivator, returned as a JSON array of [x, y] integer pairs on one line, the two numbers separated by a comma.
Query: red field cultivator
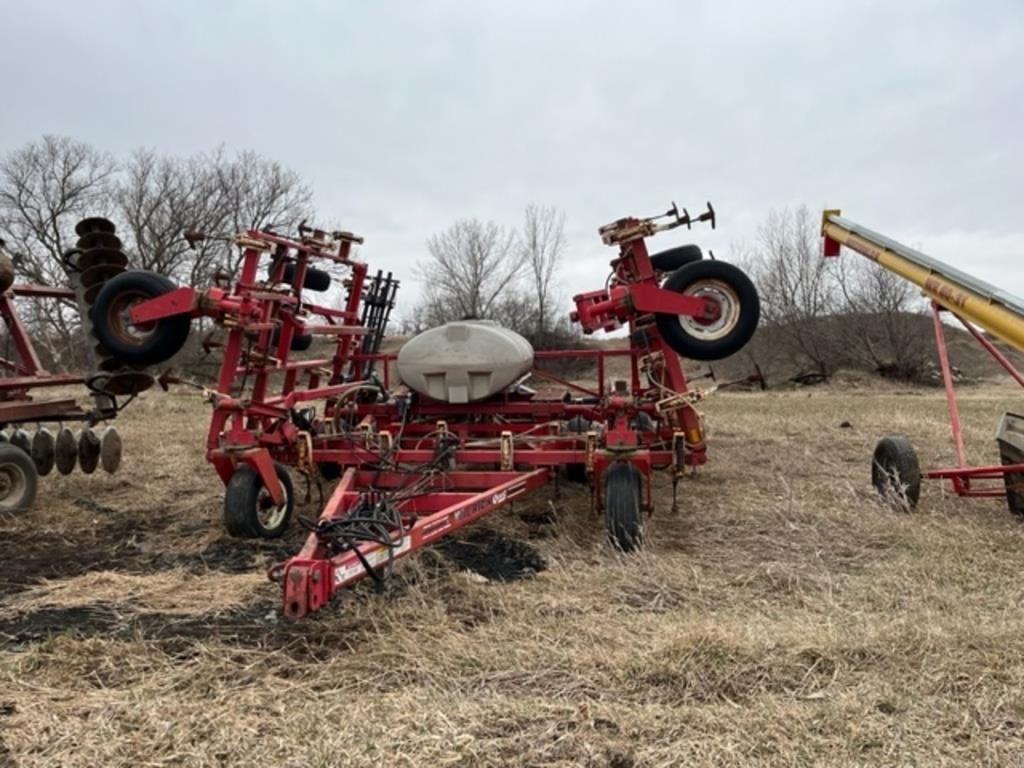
[[458, 433]]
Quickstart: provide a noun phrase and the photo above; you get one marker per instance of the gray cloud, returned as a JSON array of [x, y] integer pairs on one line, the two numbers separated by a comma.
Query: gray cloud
[[408, 115]]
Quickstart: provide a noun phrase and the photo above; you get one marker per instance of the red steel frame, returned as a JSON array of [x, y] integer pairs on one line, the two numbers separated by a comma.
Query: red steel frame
[[963, 475], [27, 373], [462, 460]]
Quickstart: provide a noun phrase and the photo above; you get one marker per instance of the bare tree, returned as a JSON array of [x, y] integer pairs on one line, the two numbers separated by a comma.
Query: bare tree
[[260, 194], [162, 197], [472, 264], [45, 187], [158, 199], [542, 243], [795, 284], [880, 324]]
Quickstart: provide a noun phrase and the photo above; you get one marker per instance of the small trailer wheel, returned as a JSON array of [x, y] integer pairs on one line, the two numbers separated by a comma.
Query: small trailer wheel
[[674, 258], [132, 344], [896, 473], [18, 479], [249, 510], [622, 515], [739, 311]]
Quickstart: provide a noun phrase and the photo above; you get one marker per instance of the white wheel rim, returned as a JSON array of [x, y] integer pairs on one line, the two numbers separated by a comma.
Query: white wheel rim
[[269, 514], [729, 310]]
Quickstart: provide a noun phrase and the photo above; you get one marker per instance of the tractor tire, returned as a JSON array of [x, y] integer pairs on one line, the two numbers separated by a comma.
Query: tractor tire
[[249, 512], [316, 279], [740, 311], [896, 473], [18, 479], [674, 258], [130, 344], [623, 517]]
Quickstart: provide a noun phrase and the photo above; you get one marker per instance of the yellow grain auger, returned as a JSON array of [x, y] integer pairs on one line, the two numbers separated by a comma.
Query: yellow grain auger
[[895, 470]]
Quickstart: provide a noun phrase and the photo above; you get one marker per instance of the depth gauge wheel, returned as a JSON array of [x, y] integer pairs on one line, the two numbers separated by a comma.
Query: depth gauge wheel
[[249, 510], [622, 515], [896, 473], [18, 479], [739, 311], [131, 344]]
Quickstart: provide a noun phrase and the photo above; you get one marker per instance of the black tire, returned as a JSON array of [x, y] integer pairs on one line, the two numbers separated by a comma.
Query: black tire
[[896, 473], [1014, 482], [674, 258], [300, 342], [248, 508], [329, 470], [131, 345], [622, 515], [19, 479], [316, 279], [741, 311], [577, 473]]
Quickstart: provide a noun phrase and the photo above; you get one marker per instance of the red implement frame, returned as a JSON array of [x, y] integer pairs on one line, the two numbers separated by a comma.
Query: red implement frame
[[20, 376], [413, 469], [963, 476]]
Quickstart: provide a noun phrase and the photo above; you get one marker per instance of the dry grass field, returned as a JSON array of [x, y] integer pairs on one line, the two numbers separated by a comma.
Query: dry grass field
[[782, 617]]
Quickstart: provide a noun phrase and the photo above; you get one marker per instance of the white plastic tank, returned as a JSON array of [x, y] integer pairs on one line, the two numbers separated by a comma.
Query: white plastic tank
[[464, 360]]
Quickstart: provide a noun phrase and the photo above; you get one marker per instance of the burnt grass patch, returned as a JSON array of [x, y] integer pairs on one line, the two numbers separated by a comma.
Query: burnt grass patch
[[121, 545], [492, 555]]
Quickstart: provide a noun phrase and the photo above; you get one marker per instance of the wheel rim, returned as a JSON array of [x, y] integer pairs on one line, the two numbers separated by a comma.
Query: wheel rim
[[268, 514], [728, 302], [13, 484], [119, 319]]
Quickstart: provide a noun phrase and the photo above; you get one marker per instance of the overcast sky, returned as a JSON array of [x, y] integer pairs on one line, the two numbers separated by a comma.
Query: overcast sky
[[405, 116]]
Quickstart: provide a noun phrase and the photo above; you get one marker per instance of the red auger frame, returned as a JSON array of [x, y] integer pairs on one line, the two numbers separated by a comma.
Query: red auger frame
[[895, 469], [411, 469]]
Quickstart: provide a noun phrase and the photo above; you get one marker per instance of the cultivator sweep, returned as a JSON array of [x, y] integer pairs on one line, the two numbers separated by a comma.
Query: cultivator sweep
[[457, 433], [24, 456]]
